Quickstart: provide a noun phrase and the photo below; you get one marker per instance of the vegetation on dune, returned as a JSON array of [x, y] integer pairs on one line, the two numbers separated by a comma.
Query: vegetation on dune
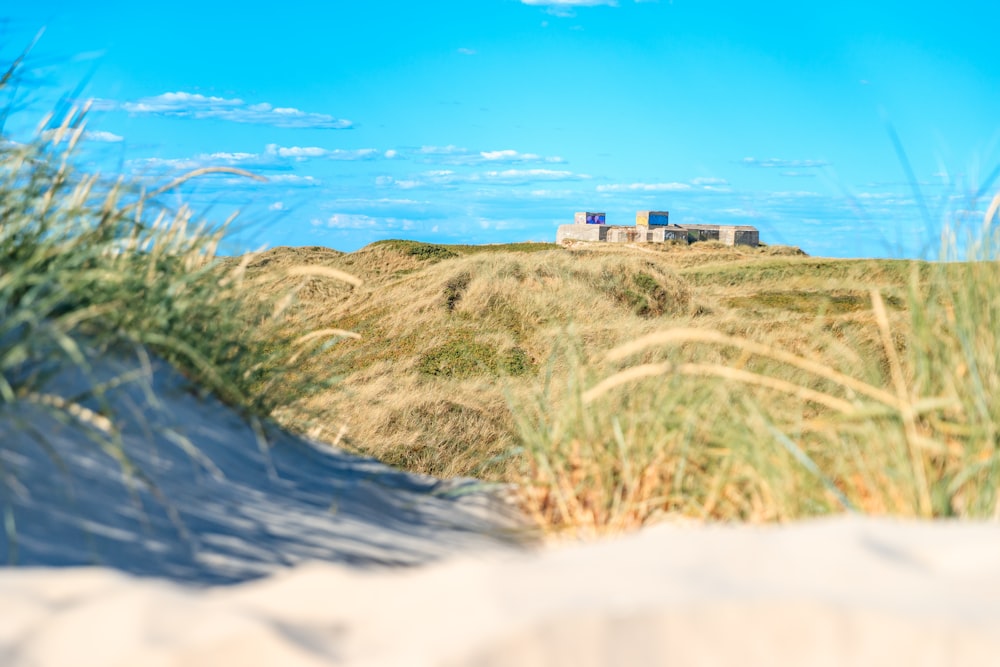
[[613, 384], [891, 409], [89, 265], [777, 386], [465, 329]]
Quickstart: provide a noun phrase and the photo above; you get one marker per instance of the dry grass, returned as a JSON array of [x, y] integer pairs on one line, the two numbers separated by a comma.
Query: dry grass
[[618, 385], [442, 338], [449, 340], [891, 409]]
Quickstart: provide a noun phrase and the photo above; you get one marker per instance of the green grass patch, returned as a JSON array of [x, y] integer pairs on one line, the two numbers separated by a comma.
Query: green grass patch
[[438, 252], [429, 252], [814, 270], [835, 303], [463, 357]]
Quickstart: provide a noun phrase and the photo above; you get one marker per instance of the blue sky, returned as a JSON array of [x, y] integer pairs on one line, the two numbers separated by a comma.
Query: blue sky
[[481, 121]]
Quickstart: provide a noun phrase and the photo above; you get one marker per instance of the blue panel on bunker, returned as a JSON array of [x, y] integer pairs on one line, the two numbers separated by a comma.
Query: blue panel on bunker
[[659, 218], [595, 218]]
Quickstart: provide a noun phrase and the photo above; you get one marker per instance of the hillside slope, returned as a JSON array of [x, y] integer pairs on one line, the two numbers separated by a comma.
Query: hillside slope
[[449, 334]]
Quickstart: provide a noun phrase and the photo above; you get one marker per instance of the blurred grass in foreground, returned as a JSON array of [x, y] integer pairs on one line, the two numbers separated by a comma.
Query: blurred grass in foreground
[[897, 415], [89, 266]]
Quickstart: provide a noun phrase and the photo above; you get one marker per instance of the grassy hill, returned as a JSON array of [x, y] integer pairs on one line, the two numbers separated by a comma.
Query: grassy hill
[[484, 360]]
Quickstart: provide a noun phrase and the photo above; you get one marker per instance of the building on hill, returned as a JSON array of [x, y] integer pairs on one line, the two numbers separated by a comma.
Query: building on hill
[[652, 218], [652, 227], [589, 218], [739, 235]]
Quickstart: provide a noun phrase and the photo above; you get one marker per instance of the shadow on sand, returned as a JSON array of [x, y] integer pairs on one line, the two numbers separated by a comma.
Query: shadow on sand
[[214, 502]]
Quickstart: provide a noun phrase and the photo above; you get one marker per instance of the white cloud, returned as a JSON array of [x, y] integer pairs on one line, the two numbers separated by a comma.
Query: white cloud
[[879, 196], [201, 160], [644, 187], [277, 206], [354, 154], [509, 155], [254, 162], [195, 105], [302, 153], [295, 151], [708, 180], [443, 150], [564, 8], [569, 3], [533, 174], [457, 155], [294, 179], [165, 163], [351, 221], [436, 177], [777, 163], [794, 194], [229, 157], [66, 135], [446, 177], [379, 202], [101, 135], [357, 221], [391, 154], [551, 194], [467, 52]]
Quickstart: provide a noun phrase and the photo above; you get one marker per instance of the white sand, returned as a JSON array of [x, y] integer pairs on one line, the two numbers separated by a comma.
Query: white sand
[[222, 505], [837, 592], [844, 591]]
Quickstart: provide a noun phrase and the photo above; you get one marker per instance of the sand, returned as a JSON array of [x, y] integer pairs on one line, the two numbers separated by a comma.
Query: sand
[[294, 554], [838, 592], [213, 501]]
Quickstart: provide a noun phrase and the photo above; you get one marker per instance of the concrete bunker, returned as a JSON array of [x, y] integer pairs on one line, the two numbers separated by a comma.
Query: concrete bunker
[[652, 227]]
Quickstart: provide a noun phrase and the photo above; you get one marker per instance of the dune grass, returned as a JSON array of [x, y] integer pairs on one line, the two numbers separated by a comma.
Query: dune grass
[[895, 414], [90, 266], [620, 385], [448, 344]]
